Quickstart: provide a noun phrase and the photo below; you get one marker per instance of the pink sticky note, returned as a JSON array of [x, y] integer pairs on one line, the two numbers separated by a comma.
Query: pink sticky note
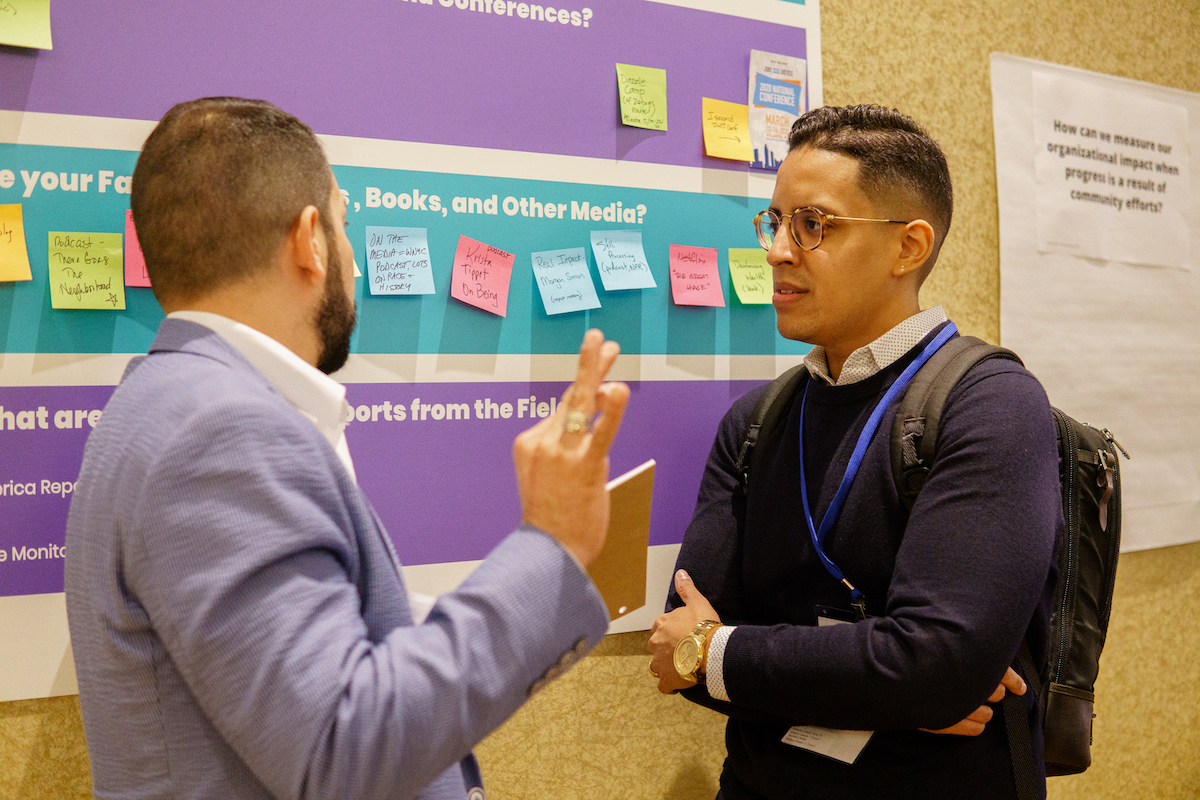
[[481, 276], [695, 280], [135, 263]]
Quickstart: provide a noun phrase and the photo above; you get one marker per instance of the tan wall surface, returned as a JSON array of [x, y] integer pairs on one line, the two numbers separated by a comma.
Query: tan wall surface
[[602, 732]]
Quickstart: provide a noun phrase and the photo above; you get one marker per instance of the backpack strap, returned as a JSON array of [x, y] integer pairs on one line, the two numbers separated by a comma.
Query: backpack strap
[[914, 440], [765, 417], [918, 420], [1016, 723]]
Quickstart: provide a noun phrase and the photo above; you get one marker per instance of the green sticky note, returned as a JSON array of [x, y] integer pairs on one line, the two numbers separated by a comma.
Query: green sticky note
[[87, 271], [751, 275], [25, 23], [643, 94]]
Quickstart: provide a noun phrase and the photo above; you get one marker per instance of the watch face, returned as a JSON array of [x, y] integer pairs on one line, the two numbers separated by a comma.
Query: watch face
[[687, 655]]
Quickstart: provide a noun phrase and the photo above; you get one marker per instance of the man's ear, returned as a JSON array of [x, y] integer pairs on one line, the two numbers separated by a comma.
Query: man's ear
[[915, 247], [306, 247]]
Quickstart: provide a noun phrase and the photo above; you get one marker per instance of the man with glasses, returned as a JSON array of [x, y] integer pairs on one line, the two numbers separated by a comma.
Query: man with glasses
[[939, 599]]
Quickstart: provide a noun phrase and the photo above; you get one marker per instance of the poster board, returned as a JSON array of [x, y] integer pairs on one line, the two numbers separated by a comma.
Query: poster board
[[499, 116], [1110, 332]]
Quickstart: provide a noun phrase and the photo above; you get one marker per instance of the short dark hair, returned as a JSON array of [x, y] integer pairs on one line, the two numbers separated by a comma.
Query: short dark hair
[[218, 185], [896, 158]]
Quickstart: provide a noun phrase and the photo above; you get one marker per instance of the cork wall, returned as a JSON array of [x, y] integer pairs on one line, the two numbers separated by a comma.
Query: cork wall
[[602, 731]]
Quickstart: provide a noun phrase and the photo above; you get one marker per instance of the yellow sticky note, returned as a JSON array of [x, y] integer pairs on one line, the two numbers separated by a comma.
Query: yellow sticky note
[[727, 130], [14, 257], [25, 23], [86, 271], [751, 275], [643, 95]]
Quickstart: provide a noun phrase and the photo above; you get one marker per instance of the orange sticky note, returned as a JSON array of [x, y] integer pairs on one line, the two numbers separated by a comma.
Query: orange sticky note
[[481, 276], [14, 256], [135, 262], [727, 130], [695, 280]]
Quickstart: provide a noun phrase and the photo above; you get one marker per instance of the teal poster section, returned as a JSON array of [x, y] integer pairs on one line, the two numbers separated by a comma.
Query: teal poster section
[[516, 215]]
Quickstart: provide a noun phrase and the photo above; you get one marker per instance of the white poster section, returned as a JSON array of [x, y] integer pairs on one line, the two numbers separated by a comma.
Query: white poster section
[[1099, 285]]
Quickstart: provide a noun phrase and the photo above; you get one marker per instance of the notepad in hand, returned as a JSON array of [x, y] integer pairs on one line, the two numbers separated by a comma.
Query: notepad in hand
[[619, 572]]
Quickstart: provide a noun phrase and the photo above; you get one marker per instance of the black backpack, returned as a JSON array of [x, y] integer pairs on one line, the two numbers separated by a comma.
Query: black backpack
[[1087, 557]]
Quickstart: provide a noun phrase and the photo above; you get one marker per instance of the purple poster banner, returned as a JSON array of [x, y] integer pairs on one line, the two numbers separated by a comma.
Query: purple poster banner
[[480, 73], [434, 459]]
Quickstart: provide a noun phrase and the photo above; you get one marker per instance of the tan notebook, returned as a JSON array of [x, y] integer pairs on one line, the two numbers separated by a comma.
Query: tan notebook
[[619, 572]]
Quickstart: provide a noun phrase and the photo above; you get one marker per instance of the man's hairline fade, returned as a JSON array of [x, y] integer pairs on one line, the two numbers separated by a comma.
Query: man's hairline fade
[[219, 184], [910, 168]]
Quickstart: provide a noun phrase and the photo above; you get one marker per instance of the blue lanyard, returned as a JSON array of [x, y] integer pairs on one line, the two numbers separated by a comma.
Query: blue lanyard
[[860, 448]]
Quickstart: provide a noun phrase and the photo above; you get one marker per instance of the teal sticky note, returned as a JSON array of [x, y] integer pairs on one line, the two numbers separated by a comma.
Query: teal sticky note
[[398, 261], [621, 260], [563, 279]]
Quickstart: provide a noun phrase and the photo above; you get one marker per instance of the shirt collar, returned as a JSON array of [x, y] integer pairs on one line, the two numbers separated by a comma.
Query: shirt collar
[[871, 358], [313, 393]]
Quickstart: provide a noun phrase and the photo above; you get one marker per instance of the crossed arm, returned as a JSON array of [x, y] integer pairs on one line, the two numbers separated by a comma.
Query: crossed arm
[[953, 610]]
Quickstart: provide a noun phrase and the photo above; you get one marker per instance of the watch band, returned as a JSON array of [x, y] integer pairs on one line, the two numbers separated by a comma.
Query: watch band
[[691, 651], [705, 631]]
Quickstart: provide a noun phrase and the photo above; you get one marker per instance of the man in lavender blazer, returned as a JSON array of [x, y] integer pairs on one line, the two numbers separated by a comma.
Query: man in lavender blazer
[[239, 620]]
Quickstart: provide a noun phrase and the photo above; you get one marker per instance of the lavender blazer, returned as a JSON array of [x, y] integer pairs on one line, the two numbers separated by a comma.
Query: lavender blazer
[[239, 620]]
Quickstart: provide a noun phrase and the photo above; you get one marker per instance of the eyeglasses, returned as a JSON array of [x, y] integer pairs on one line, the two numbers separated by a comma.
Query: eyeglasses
[[807, 226]]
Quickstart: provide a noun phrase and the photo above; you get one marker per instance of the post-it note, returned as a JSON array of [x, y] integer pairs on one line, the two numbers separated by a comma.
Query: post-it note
[[25, 23], [563, 279], [621, 260], [398, 261], [14, 256], [643, 96], [727, 130], [135, 262], [695, 280], [751, 275], [86, 271], [481, 276]]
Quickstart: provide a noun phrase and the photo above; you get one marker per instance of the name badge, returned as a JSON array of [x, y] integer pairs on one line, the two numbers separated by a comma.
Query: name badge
[[840, 745]]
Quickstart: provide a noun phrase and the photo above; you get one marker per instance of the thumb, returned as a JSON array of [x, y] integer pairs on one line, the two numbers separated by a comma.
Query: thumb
[[686, 588]]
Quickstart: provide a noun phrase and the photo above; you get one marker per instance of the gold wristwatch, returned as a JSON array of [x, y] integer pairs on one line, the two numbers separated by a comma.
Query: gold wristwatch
[[692, 650]]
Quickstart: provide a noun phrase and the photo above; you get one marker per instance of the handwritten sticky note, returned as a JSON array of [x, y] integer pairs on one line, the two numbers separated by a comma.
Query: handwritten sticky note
[[398, 261], [14, 256], [563, 279], [727, 130], [643, 96], [135, 262], [86, 271], [481, 275], [621, 260], [695, 280], [25, 23], [751, 275]]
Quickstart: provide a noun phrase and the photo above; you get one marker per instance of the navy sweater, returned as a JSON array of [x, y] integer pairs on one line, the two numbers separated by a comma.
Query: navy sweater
[[951, 589]]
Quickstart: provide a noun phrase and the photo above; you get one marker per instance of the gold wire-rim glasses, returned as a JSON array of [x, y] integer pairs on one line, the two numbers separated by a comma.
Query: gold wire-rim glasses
[[768, 221]]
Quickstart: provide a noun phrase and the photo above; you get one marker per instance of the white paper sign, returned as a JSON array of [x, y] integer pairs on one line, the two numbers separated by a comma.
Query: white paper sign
[[1114, 343], [1112, 172]]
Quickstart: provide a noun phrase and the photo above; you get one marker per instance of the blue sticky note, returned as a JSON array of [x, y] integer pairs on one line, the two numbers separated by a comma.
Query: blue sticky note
[[398, 261], [563, 279], [621, 260]]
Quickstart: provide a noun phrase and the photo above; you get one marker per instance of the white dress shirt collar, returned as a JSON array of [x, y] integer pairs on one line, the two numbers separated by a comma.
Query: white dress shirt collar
[[871, 358], [321, 399]]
